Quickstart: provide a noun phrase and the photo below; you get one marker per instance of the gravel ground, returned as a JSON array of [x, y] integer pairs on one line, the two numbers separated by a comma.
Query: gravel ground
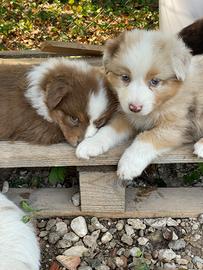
[[141, 244]]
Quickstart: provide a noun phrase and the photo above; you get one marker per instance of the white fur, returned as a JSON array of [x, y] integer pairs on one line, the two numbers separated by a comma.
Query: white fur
[[97, 105], [136, 158], [106, 137], [198, 149], [19, 249], [34, 94]]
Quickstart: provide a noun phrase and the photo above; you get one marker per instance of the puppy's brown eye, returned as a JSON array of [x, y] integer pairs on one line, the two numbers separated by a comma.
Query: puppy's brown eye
[[154, 82], [74, 120], [125, 78]]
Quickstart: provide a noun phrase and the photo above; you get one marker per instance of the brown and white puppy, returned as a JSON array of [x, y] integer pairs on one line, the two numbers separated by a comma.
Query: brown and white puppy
[[160, 90], [56, 100]]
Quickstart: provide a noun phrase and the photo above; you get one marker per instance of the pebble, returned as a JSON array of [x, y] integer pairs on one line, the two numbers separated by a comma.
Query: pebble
[[76, 199], [79, 226], [158, 223], [51, 223], [200, 218], [137, 224], [170, 266], [120, 225], [195, 227], [181, 261], [142, 241], [197, 259], [166, 255], [167, 234], [127, 239], [85, 268], [102, 267], [43, 234], [41, 224], [61, 228], [106, 237], [171, 222], [71, 237], [177, 245], [91, 240], [97, 225], [76, 251], [135, 252], [119, 262], [174, 237], [53, 237], [63, 244], [129, 230], [69, 262]]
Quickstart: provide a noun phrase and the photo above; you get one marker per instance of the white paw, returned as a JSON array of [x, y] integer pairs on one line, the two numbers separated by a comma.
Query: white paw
[[90, 148], [198, 149], [129, 166]]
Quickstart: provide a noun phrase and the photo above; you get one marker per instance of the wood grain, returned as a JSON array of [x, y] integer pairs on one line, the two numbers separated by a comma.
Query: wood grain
[[100, 192], [161, 202], [19, 154], [71, 48]]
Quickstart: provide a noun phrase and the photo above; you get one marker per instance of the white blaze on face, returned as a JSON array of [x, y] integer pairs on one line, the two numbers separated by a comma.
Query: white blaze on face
[[97, 105]]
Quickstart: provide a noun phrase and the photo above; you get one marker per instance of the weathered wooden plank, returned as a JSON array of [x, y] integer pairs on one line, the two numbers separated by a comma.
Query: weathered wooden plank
[[71, 48], [26, 54], [19, 154], [100, 192], [161, 202]]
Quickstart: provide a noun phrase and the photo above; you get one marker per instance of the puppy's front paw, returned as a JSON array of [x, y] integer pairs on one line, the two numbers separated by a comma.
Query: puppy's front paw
[[129, 166], [198, 148], [89, 148]]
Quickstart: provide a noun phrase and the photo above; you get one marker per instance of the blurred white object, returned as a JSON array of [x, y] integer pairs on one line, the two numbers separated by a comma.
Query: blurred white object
[[176, 14]]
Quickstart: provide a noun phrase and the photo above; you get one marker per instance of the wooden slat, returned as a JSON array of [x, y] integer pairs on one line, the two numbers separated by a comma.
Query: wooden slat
[[27, 54], [71, 48], [100, 192], [161, 202], [19, 154]]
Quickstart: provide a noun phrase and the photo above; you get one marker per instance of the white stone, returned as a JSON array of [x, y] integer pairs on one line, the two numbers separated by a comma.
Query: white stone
[[142, 241], [79, 226], [181, 261], [170, 266], [97, 225], [71, 236], [135, 252], [129, 230], [76, 251], [76, 199], [137, 224], [174, 236], [171, 222], [120, 225], [61, 228], [177, 245], [106, 237], [166, 255]]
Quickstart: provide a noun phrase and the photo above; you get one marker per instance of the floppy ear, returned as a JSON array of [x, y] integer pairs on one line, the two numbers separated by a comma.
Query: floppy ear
[[181, 58], [111, 48], [55, 91]]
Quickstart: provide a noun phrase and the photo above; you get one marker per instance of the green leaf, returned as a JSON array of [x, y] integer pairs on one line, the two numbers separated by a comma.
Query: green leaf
[[57, 175], [26, 219], [26, 207]]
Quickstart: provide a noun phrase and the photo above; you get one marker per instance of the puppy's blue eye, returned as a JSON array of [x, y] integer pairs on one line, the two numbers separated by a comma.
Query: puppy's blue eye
[[125, 78], [154, 82]]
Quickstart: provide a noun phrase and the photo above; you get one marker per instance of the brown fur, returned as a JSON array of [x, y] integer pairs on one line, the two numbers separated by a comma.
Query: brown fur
[[66, 90]]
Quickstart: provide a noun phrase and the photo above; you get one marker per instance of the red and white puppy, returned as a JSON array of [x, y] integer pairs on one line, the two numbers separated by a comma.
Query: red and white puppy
[[160, 90], [55, 101]]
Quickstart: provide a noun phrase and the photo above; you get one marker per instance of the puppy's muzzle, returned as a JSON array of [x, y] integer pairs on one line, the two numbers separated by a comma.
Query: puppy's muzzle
[[135, 107]]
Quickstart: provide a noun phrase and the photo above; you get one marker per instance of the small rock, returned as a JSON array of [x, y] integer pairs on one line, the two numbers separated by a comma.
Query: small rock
[[119, 262], [61, 228], [135, 252], [120, 225], [181, 261], [76, 251], [129, 230], [71, 237], [200, 218], [53, 238], [76, 199], [127, 239], [120, 251], [171, 222], [197, 259], [167, 234], [195, 227], [79, 226], [91, 240], [97, 225], [177, 245], [142, 241], [170, 266], [166, 255], [137, 224], [85, 268], [51, 223], [155, 254], [102, 267], [41, 224], [43, 234], [157, 223], [63, 244], [69, 262], [106, 238], [174, 237]]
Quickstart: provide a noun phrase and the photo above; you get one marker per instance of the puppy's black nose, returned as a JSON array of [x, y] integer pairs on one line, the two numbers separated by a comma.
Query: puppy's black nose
[[135, 107]]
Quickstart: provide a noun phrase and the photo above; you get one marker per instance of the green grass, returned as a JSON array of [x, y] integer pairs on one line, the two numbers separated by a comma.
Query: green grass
[[25, 24]]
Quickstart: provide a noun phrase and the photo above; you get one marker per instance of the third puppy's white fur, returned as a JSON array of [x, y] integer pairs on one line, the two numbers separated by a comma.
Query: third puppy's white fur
[[19, 249]]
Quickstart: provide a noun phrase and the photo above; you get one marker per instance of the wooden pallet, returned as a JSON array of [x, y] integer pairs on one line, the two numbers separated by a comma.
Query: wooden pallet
[[101, 193]]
